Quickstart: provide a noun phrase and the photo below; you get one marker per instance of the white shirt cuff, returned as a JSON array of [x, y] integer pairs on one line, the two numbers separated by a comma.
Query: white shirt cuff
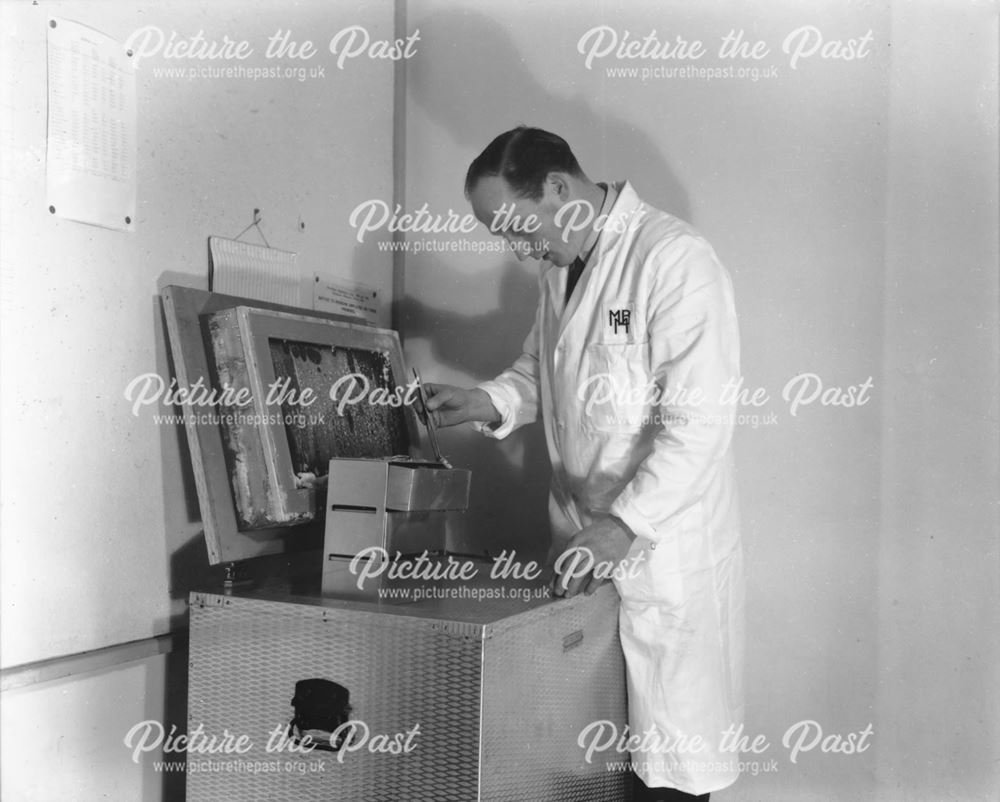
[[500, 430]]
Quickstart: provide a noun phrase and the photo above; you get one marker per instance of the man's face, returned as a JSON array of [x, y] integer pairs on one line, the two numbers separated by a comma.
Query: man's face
[[527, 225]]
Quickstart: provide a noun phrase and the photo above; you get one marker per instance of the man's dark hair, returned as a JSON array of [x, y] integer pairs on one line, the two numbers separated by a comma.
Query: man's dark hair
[[523, 157]]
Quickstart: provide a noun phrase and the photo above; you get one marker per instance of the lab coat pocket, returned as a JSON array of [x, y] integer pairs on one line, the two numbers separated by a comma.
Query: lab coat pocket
[[652, 574], [668, 571], [616, 394]]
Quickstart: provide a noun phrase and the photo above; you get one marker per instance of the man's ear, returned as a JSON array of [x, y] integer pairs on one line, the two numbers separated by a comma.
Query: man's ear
[[559, 184]]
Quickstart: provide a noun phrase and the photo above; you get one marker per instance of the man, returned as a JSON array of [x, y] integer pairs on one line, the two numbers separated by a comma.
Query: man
[[630, 363]]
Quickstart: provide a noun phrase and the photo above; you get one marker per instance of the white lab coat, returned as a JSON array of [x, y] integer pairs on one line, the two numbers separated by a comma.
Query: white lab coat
[[661, 462]]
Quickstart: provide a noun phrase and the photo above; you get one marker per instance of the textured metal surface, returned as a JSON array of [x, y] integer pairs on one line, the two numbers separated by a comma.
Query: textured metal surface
[[547, 675], [245, 660], [501, 689]]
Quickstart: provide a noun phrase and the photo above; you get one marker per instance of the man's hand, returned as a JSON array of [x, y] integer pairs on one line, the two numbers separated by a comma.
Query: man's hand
[[608, 541], [451, 406]]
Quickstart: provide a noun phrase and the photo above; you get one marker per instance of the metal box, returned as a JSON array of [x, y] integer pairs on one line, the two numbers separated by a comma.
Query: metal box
[[499, 687], [379, 507]]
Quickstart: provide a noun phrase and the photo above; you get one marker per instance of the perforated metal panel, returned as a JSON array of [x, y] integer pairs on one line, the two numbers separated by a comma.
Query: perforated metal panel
[[499, 698]]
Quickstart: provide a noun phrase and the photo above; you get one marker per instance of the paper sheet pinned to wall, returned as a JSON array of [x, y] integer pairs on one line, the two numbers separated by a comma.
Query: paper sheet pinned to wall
[[254, 271], [91, 145]]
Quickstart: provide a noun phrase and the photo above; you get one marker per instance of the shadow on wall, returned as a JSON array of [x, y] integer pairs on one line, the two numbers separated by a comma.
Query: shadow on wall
[[474, 83], [510, 478]]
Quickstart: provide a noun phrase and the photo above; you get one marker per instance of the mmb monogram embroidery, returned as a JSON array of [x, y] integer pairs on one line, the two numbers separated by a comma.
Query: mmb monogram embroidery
[[619, 319]]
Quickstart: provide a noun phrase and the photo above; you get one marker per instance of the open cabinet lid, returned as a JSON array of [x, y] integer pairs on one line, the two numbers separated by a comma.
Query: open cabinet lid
[[243, 454]]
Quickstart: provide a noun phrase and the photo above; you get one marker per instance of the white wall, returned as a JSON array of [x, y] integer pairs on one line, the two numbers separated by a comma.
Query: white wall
[[65, 739], [99, 515], [939, 554], [100, 521], [820, 188]]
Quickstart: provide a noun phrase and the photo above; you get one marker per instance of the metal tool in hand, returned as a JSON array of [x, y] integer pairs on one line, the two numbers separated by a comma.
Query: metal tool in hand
[[428, 420]]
